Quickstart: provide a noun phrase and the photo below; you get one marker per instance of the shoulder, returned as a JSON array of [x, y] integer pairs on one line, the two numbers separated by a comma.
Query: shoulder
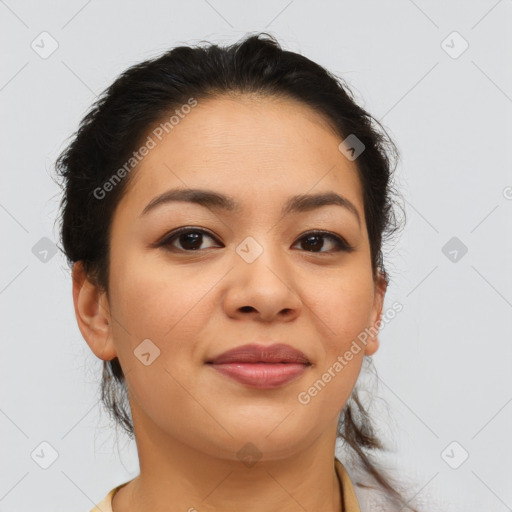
[[105, 505]]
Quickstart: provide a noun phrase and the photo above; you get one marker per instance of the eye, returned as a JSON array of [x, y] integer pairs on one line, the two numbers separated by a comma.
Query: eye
[[190, 239], [315, 240]]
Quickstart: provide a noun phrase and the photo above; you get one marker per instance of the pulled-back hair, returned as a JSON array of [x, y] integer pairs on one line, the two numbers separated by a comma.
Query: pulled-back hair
[[151, 91]]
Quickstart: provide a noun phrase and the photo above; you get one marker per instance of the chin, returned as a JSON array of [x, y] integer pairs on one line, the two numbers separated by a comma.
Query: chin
[[274, 439]]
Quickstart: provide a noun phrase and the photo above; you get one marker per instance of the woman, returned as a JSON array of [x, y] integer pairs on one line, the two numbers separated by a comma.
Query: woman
[[224, 211]]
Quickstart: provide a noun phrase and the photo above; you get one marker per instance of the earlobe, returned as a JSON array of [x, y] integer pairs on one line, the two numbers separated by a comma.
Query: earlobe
[[92, 314], [372, 344]]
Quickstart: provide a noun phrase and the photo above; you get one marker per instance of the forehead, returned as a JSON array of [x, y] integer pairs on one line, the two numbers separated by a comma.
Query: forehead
[[253, 146]]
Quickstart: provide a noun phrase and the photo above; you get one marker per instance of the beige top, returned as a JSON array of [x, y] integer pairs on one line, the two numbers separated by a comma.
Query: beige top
[[348, 495]]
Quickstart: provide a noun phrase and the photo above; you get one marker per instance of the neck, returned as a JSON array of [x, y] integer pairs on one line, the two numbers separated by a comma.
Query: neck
[[175, 476]]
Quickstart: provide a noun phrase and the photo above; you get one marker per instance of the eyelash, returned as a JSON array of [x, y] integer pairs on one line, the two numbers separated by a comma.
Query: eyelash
[[166, 242]]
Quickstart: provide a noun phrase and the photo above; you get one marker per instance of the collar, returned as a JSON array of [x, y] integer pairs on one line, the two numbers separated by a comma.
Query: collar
[[349, 501], [348, 495]]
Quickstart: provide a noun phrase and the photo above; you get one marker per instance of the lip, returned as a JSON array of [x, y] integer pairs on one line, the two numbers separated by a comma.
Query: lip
[[261, 366]]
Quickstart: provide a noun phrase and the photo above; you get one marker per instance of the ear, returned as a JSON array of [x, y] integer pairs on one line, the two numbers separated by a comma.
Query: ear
[[381, 285], [93, 314]]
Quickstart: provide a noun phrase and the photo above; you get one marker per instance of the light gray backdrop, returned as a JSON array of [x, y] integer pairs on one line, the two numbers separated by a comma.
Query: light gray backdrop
[[438, 74]]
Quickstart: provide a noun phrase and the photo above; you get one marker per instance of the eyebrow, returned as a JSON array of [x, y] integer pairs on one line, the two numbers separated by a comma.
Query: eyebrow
[[214, 200]]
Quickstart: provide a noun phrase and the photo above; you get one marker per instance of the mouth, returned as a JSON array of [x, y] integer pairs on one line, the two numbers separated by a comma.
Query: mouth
[[261, 367]]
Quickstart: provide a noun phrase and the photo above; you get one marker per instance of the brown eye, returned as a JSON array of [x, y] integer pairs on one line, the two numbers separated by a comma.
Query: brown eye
[[315, 242], [187, 239]]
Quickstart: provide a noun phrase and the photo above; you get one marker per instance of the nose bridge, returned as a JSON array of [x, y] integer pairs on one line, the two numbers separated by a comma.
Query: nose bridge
[[263, 264], [260, 250]]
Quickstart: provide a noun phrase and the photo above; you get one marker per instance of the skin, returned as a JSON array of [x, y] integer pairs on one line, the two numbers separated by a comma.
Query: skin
[[190, 421]]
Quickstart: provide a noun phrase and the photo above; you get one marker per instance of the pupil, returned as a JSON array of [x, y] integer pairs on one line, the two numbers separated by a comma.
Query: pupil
[[191, 239], [314, 241]]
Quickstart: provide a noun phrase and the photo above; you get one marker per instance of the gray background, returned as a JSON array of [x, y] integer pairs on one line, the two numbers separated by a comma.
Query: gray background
[[444, 364]]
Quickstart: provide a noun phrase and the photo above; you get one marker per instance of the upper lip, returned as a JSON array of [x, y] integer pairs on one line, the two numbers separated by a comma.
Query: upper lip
[[256, 353]]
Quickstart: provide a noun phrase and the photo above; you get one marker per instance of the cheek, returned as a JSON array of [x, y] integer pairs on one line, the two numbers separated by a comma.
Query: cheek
[[160, 306], [165, 305], [344, 305], [155, 300]]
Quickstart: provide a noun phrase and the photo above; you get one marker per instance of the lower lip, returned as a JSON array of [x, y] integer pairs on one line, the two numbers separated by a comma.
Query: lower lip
[[262, 375]]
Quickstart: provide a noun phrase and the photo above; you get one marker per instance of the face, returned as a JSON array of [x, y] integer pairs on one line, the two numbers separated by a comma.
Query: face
[[250, 274]]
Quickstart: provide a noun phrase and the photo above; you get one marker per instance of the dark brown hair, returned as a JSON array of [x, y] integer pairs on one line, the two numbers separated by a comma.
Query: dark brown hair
[[149, 92]]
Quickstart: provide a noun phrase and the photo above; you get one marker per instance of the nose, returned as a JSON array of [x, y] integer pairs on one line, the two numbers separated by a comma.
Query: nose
[[263, 289]]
